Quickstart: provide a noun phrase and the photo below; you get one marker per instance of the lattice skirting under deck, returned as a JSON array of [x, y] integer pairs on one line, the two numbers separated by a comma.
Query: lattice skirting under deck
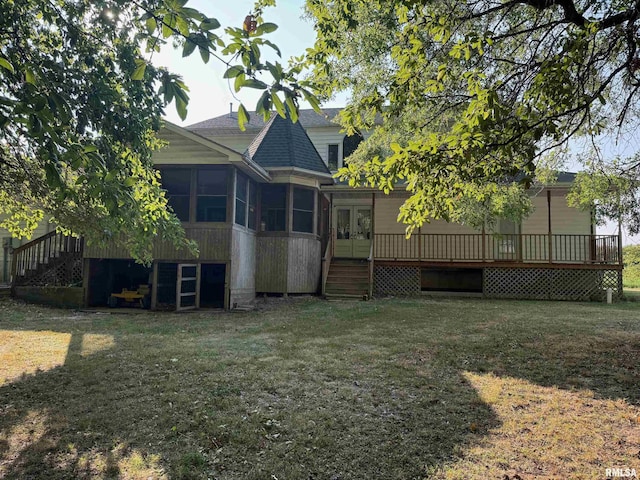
[[521, 283], [392, 280], [551, 284]]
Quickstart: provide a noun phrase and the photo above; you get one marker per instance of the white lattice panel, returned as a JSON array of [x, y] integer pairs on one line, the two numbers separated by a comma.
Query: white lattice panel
[[551, 284]]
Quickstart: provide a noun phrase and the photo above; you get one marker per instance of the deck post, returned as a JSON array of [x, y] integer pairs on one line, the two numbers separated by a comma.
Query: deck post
[[550, 242], [520, 254], [372, 229], [331, 230], [619, 240], [484, 244], [14, 269], [420, 243], [86, 271]]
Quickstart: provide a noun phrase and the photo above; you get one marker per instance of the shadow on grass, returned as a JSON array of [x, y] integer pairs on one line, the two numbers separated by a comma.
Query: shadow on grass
[[565, 345], [365, 390], [562, 344], [238, 405]]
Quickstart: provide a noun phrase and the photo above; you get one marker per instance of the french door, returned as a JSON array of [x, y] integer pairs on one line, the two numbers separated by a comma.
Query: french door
[[352, 231]]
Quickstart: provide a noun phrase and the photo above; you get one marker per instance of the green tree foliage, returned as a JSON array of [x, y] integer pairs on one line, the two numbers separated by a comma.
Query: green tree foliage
[[631, 274], [612, 188], [631, 255], [467, 100], [80, 103]]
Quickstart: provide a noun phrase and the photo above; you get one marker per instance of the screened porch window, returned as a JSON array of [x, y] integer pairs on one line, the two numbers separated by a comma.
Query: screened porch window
[[197, 191], [211, 196], [303, 200], [274, 208], [246, 200], [241, 199], [177, 183]]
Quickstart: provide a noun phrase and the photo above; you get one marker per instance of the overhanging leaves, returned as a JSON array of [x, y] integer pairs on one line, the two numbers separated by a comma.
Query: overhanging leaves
[[475, 94]]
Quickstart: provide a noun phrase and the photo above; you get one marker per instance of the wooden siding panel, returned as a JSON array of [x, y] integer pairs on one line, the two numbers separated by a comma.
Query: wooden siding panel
[[568, 220], [184, 151], [213, 243], [238, 142], [386, 218], [305, 262], [440, 226], [537, 221], [386, 214], [271, 264], [565, 220]]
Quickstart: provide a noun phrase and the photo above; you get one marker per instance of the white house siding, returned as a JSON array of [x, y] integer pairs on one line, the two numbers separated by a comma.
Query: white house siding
[[386, 214], [323, 137], [564, 219], [572, 224], [386, 218]]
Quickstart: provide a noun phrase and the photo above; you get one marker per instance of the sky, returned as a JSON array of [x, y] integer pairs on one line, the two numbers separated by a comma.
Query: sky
[[211, 95]]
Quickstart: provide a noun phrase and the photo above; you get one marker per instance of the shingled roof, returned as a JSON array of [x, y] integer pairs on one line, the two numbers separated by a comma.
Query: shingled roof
[[229, 122], [282, 143]]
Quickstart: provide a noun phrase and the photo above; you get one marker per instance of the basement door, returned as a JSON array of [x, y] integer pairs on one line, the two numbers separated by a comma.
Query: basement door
[[188, 287], [352, 227]]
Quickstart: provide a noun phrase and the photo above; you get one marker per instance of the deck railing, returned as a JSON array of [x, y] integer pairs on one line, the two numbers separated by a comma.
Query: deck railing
[[522, 248]]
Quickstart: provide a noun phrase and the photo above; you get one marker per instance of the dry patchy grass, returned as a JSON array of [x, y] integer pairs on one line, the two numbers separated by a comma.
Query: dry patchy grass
[[306, 389]]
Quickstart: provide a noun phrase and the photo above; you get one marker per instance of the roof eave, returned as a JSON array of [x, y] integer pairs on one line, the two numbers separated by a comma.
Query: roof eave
[[234, 156], [300, 171]]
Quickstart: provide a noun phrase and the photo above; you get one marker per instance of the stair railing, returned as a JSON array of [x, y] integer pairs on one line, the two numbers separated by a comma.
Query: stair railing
[[31, 256]]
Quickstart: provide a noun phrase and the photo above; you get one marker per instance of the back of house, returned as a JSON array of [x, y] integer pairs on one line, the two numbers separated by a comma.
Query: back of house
[[270, 219]]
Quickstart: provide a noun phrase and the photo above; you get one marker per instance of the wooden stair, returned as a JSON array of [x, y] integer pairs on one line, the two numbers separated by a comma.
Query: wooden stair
[[348, 278], [54, 259]]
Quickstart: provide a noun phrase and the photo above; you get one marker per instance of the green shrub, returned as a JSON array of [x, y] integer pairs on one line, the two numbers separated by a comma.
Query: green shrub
[[631, 276], [631, 259]]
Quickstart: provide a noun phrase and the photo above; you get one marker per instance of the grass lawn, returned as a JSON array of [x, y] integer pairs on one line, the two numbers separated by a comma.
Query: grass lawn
[[308, 389], [632, 293]]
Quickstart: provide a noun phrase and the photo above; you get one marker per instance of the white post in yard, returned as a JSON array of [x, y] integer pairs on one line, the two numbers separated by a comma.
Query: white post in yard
[[609, 295]]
